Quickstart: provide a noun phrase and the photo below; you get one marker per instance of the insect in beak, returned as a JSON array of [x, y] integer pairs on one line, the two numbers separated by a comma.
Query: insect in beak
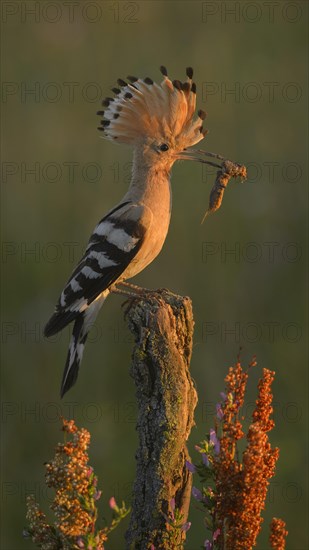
[[227, 170]]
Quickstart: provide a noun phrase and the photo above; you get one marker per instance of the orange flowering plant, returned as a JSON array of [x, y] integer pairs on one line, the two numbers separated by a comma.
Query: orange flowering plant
[[233, 492], [75, 502], [235, 487]]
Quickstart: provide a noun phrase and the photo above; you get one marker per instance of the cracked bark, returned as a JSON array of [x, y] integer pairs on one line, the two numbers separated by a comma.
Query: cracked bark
[[162, 325]]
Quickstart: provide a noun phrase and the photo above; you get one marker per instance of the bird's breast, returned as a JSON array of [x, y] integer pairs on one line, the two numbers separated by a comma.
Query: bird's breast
[[159, 202], [152, 244]]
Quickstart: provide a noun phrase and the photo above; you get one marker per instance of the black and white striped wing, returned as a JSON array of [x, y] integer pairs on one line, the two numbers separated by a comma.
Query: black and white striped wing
[[113, 245]]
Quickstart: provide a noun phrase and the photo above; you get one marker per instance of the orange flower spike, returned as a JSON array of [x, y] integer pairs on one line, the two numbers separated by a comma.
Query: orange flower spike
[[278, 534]]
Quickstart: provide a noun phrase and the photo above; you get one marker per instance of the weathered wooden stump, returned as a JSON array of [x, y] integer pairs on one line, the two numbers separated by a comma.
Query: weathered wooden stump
[[162, 325]]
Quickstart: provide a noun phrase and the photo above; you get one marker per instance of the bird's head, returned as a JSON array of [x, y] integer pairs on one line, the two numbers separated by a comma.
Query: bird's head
[[157, 119]]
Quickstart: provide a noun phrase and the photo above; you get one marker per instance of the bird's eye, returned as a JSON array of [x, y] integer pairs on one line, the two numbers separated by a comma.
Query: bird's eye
[[164, 147]]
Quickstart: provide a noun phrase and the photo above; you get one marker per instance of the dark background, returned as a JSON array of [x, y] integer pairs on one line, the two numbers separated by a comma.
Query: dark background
[[244, 268]]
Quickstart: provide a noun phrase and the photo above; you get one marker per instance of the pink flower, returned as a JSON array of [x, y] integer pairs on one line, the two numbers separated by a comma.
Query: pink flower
[[190, 467], [220, 413], [197, 493], [205, 459], [112, 503], [214, 440], [186, 526]]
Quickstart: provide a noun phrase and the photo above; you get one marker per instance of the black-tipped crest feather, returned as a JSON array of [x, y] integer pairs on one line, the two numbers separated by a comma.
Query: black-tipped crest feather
[[143, 108]]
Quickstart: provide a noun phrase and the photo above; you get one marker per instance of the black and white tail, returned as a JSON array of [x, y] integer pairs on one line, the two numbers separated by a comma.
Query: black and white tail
[[83, 323], [75, 355]]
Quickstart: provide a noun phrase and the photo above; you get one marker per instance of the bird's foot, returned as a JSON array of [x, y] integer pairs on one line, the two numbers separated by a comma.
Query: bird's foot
[[135, 293], [130, 290], [141, 291], [136, 289]]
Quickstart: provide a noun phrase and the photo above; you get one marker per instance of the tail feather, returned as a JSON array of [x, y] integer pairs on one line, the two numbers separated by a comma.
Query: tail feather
[[74, 356], [58, 321], [82, 325]]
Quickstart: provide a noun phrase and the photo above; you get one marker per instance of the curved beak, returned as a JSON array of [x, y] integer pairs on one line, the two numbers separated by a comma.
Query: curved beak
[[200, 156]]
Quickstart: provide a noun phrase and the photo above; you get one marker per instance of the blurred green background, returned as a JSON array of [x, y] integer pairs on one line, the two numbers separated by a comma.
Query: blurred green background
[[244, 268]]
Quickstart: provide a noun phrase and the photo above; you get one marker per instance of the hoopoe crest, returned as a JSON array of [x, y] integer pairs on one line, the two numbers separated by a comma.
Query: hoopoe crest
[[157, 117]]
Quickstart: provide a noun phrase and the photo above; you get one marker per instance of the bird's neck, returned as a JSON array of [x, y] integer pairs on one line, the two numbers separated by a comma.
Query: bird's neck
[[150, 184]]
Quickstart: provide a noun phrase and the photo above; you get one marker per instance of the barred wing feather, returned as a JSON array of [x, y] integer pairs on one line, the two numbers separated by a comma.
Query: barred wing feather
[[114, 243]]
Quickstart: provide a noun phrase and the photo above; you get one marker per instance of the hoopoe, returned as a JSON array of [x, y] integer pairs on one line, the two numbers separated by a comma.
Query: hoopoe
[[158, 121]]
